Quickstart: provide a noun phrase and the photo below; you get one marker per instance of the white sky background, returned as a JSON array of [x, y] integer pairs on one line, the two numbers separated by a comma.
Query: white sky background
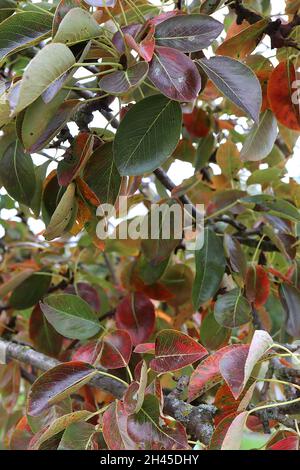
[[179, 170]]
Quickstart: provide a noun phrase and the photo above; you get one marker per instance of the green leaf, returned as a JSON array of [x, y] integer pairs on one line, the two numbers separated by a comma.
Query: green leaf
[[42, 121], [274, 206], [40, 175], [71, 316], [17, 173], [210, 267], [232, 309], [76, 26], [261, 139], [77, 436], [60, 424], [147, 136], [102, 176], [44, 69], [31, 290], [236, 81], [23, 30], [267, 176]]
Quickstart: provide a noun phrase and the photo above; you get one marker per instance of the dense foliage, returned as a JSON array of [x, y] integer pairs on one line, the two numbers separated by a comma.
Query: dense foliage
[[129, 343]]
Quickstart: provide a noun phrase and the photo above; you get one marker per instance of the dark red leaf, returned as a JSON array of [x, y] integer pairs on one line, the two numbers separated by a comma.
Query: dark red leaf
[[237, 364], [136, 315], [175, 350], [289, 443], [257, 286], [115, 428], [197, 123], [88, 352], [56, 384], [145, 348], [116, 352], [207, 374], [73, 161], [174, 74], [147, 430]]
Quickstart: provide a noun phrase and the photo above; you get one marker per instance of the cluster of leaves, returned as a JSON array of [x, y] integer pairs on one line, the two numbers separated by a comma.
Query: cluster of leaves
[[122, 321]]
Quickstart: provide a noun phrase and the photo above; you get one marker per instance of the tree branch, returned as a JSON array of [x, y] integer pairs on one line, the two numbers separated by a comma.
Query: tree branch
[[198, 420]]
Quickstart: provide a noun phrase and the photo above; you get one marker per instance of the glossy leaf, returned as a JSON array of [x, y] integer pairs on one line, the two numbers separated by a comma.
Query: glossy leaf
[[237, 257], [115, 428], [136, 315], [147, 135], [102, 176], [23, 30], [31, 290], [175, 350], [174, 74], [232, 309], [44, 337], [56, 384], [258, 286], [134, 396], [237, 82], [237, 365], [261, 139], [76, 26], [77, 436], [116, 350], [207, 374], [210, 267], [212, 335], [122, 81], [60, 424], [71, 316], [75, 159], [188, 33], [17, 173], [146, 430]]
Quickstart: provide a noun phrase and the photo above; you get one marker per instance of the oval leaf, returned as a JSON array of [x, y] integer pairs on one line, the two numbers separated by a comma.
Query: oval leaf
[[56, 384], [232, 309], [210, 267], [122, 81], [188, 33], [76, 26], [237, 82], [174, 74], [147, 136], [46, 67], [23, 30], [116, 350], [175, 350], [260, 141], [71, 316], [136, 315]]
